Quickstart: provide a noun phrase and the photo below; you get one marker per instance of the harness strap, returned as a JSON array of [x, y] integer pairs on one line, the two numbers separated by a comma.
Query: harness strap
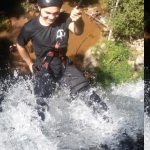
[[50, 55], [65, 61]]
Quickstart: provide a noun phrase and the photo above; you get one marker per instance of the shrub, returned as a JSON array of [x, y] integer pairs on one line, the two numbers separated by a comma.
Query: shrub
[[127, 20], [113, 64]]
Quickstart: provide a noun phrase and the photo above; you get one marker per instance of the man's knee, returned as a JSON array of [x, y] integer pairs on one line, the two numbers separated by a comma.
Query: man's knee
[[74, 79], [43, 84]]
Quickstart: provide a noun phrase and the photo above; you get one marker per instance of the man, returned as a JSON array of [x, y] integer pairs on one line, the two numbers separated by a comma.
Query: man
[[49, 33]]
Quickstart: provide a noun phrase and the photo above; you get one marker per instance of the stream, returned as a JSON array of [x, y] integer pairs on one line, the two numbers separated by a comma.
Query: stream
[[71, 125]]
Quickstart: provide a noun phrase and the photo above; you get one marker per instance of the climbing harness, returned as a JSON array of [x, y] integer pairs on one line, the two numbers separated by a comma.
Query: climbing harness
[[58, 66], [51, 55]]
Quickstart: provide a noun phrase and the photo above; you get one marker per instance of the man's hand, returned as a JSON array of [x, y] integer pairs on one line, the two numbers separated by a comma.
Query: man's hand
[[25, 55], [75, 14], [77, 24], [30, 67]]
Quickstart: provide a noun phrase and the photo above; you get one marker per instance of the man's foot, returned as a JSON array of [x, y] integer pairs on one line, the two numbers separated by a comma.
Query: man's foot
[[41, 102], [41, 114], [96, 99], [41, 108], [1, 109]]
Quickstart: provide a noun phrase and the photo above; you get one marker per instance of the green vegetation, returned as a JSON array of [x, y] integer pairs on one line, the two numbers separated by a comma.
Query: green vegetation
[[5, 24], [127, 23], [2, 19], [127, 20], [113, 64]]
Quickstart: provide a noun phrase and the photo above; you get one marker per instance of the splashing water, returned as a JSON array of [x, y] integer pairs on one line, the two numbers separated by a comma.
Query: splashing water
[[146, 132], [71, 125], [147, 109]]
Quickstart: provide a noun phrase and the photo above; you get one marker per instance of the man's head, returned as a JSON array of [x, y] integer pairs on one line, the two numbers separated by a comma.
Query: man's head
[[49, 10]]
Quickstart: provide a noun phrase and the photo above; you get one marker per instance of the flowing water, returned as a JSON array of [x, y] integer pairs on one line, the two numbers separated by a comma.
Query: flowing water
[[71, 125], [147, 109], [146, 132]]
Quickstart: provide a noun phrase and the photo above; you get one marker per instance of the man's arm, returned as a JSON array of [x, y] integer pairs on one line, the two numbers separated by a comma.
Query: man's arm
[[77, 24], [25, 55]]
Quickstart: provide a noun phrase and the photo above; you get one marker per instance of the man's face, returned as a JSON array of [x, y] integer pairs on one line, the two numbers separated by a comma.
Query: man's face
[[50, 14]]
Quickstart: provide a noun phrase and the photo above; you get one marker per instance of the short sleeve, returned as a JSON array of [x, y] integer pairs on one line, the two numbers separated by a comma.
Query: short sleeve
[[23, 37], [68, 21]]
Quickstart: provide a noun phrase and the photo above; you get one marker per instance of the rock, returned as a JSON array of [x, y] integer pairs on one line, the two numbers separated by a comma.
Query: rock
[[139, 49], [89, 61], [92, 11], [135, 74], [139, 62], [138, 45]]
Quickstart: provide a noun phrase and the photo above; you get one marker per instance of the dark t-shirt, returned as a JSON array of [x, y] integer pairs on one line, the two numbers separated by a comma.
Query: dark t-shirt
[[44, 38]]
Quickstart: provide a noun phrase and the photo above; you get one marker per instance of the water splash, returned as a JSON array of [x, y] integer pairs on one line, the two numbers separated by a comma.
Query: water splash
[[147, 109], [70, 125]]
